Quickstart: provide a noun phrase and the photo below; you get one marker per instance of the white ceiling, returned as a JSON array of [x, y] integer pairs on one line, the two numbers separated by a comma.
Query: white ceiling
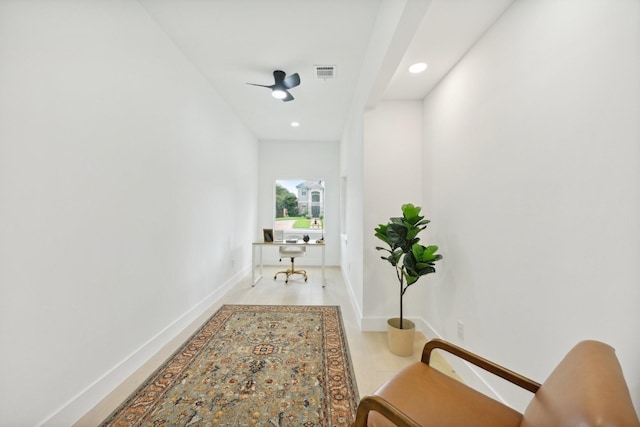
[[234, 42]]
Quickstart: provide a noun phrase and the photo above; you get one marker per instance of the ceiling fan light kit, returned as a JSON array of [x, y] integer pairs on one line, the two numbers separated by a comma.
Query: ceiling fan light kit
[[279, 93], [282, 84]]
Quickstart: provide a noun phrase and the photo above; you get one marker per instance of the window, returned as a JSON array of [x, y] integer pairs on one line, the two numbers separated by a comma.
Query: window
[[299, 207]]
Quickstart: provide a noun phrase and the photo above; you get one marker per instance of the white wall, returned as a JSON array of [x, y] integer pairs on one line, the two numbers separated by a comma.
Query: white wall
[[532, 179], [312, 160], [126, 188], [351, 163], [392, 177], [395, 25]]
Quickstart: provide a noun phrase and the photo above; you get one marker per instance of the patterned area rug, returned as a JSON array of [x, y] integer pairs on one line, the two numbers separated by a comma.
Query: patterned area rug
[[252, 366]]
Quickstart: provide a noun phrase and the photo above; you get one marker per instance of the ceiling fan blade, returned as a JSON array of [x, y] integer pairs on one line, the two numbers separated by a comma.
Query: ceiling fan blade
[[288, 98], [278, 76], [254, 84], [292, 81]]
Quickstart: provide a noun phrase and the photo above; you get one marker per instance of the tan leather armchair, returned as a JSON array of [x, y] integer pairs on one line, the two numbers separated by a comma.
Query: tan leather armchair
[[586, 389]]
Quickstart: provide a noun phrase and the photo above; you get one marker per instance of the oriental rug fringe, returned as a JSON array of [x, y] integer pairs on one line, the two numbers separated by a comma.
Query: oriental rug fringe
[[252, 365]]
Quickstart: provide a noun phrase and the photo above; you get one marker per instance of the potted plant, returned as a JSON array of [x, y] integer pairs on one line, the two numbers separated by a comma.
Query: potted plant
[[411, 260]]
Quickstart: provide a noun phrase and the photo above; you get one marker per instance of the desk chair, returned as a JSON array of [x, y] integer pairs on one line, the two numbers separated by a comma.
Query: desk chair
[[292, 252]]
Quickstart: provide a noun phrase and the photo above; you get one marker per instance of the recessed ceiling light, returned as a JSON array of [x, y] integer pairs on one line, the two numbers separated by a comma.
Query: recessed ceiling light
[[295, 124], [418, 68]]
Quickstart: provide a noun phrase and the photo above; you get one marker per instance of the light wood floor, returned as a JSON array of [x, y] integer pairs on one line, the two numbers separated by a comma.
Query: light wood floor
[[372, 361]]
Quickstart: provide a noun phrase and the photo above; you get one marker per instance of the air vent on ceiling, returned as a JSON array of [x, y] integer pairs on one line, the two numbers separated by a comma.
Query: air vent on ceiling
[[326, 72]]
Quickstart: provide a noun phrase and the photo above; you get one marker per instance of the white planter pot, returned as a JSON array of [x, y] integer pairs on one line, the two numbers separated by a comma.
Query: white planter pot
[[400, 341]]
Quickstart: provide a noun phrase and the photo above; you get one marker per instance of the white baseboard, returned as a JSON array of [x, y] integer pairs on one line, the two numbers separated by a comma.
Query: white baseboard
[[88, 398], [352, 297]]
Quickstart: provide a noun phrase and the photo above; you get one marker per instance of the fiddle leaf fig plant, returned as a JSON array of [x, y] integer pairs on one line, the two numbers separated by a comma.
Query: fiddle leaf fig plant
[[410, 259]]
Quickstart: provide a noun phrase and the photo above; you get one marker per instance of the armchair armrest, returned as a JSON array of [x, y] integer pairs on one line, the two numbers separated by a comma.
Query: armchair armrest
[[480, 362], [378, 404]]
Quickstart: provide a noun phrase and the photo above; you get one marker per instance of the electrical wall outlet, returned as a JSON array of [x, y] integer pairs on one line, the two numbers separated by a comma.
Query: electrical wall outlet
[[461, 330]]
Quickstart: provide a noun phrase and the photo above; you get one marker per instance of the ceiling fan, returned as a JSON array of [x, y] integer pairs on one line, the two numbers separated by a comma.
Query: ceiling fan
[[282, 84]]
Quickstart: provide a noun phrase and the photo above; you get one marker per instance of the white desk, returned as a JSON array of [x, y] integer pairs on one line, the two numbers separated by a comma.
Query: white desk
[[255, 279]]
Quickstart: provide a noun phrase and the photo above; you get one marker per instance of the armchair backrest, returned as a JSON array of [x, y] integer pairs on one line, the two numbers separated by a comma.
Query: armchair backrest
[[586, 389]]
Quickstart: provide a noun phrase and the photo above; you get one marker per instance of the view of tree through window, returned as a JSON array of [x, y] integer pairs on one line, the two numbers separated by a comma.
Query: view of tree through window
[[299, 208]]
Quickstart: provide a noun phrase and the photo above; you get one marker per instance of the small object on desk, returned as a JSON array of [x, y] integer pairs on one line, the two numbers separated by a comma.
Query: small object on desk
[[320, 241], [305, 238], [292, 240]]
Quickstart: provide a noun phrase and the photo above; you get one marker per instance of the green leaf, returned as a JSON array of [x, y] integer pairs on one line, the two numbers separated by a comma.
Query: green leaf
[[425, 254], [412, 232], [431, 249], [410, 211], [410, 279], [381, 233], [397, 234], [423, 222]]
